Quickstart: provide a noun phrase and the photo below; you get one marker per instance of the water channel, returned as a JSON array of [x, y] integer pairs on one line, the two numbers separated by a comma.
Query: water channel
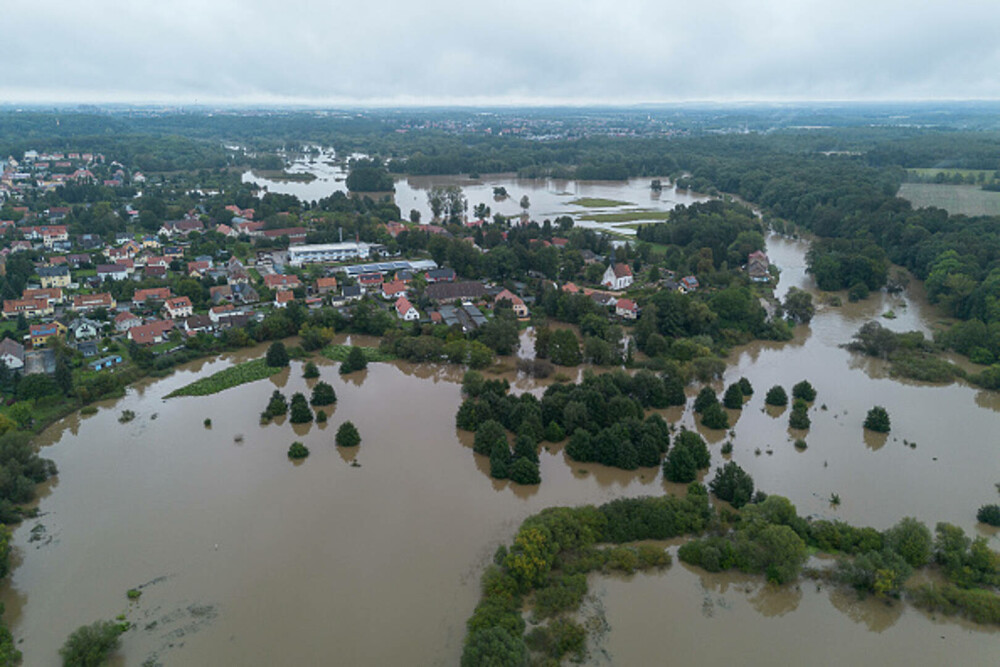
[[244, 557]]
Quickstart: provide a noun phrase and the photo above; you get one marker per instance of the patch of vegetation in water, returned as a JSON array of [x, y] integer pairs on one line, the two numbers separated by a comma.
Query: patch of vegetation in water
[[626, 216], [341, 353], [243, 373], [598, 202]]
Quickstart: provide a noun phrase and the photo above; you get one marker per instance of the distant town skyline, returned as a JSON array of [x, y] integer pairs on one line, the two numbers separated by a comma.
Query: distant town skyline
[[444, 52]]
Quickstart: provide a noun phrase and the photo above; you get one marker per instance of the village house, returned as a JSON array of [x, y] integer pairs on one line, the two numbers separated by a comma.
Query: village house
[[12, 354], [516, 302], [54, 276], [142, 296], [216, 313], [172, 228], [83, 328], [296, 235], [85, 302], [757, 267], [617, 276], [197, 269], [280, 282], [626, 309], [370, 282], [35, 307], [442, 275], [126, 320], [326, 285], [283, 297], [178, 307], [393, 290], [107, 272], [151, 333], [406, 311], [40, 334], [688, 284]]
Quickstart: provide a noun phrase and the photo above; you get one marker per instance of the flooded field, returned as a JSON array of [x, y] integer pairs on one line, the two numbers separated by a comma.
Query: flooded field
[[244, 557], [548, 198]]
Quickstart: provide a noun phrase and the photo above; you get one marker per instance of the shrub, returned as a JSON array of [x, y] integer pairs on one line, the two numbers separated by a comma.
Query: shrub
[[323, 394], [355, 361], [989, 514], [776, 396], [300, 412], [800, 415], [689, 454], [912, 540], [732, 484], [524, 471], [857, 292], [733, 398], [298, 451], [90, 645], [877, 420], [321, 417], [208, 423], [554, 432], [277, 355], [489, 432], [805, 391], [715, 417], [277, 406], [311, 371], [347, 435], [705, 398]]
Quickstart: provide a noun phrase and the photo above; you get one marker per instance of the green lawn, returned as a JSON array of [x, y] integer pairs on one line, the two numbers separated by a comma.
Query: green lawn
[[248, 371], [956, 199], [597, 202], [627, 216]]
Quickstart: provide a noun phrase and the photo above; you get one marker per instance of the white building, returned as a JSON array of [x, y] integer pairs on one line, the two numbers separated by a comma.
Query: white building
[[328, 252]]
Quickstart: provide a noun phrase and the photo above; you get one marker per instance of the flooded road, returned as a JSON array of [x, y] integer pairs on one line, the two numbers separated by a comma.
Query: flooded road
[[244, 557]]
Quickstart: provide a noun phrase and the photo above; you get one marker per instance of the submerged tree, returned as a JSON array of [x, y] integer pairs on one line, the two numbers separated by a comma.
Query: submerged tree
[[300, 412], [877, 420], [347, 435]]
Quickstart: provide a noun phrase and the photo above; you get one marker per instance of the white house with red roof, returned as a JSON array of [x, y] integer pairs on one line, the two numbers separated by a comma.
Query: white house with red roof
[[617, 276], [626, 309], [283, 297], [516, 302], [394, 289], [406, 311], [178, 307], [277, 281]]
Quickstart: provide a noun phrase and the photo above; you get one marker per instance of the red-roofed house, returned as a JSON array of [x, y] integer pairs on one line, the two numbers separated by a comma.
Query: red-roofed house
[[296, 235], [52, 295], [35, 307], [178, 307], [406, 311], [393, 290], [84, 302], [277, 281], [370, 282], [141, 296], [283, 297], [152, 333], [626, 309], [570, 288], [326, 285], [516, 302]]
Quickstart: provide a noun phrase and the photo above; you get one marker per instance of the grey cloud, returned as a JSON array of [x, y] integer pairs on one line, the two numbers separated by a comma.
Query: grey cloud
[[517, 51]]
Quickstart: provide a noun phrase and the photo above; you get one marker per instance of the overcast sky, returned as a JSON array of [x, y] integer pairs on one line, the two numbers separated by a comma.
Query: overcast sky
[[512, 52]]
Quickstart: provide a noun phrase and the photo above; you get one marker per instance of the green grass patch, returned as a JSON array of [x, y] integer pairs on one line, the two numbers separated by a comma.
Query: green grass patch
[[340, 352], [598, 202], [627, 216], [956, 199], [248, 371]]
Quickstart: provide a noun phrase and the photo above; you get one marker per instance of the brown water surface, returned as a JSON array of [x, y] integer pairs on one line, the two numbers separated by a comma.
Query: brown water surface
[[373, 556]]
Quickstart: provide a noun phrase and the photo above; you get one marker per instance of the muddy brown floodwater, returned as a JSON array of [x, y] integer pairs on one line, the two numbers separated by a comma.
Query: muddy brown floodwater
[[244, 557]]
